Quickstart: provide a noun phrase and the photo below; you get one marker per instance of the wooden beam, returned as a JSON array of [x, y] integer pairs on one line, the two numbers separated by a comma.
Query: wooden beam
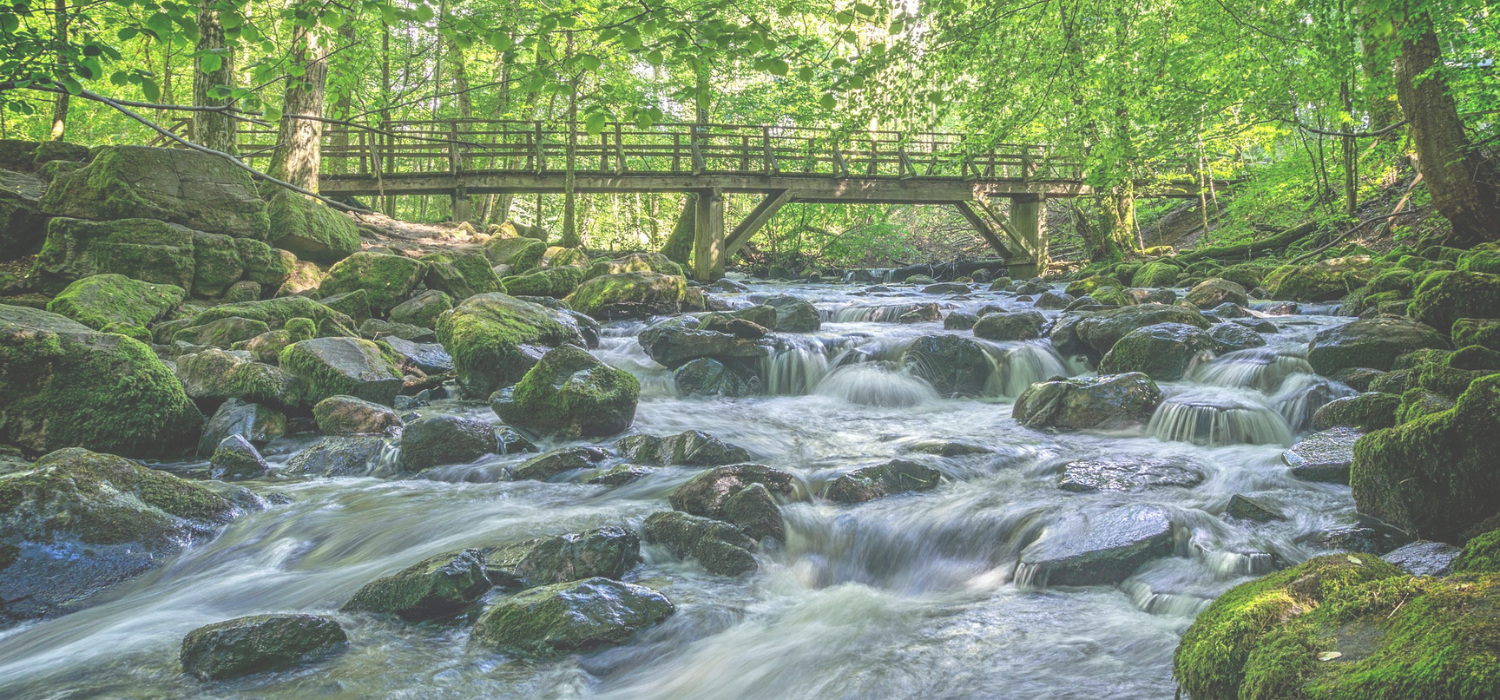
[[981, 224], [757, 218], [1004, 224]]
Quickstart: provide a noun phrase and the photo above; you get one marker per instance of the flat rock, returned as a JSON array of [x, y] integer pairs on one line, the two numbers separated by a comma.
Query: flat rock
[[338, 456], [434, 440], [1246, 508], [544, 467], [1089, 475], [428, 357], [869, 483], [258, 643], [1324, 456], [1094, 548], [607, 551], [1424, 558]]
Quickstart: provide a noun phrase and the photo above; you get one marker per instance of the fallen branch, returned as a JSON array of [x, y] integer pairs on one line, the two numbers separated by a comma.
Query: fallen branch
[[1280, 240], [1346, 234]]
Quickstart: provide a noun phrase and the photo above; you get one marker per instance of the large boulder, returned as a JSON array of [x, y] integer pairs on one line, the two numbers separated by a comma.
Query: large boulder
[[678, 341], [435, 588], [1323, 456], [216, 264], [197, 190], [630, 295], [1165, 351], [794, 314], [348, 366], [264, 265], [555, 282], [23, 226], [1370, 410], [388, 279], [544, 467], [349, 415], [310, 229], [63, 384], [953, 365], [607, 551], [1320, 281], [570, 393], [237, 459], [338, 456], [1082, 404], [1215, 291], [719, 547], [1373, 343], [79, 521], [1435, 476], [144, 249], [521, 254], [870, 483], [1020, 325], [423, 309], [494, 339], [569, 617], [461, 275], [116, 303], [223, 333], [1097, 332], [440, 439], [275, 313], [635, 262], [1445, 297], [256, 423], [258, 643], [709, 377], [1088, 548], [1156, 274], [216, 374]]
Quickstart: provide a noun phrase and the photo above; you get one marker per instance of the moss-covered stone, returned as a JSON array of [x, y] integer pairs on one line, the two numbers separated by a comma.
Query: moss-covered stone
[[1210, 661], [1320, 281], [63, 384], [494, 339], [607, 551], [1417, 402], [216, 374], [310, 229], [1019, 325], [1481, 555], [216, 264], [1082, 404], [435, 588], [104, 300], [1087, 285], [200, 191], [521, 254], [569, 617], [265, 265], [1373, 343], [1164, 351], [691, 448], [570, 393], [275, 313], [423, 309], [143, 249], [558, 256], [635, 262], [1474, 331], [221, 333], [1156, 274], [719, 547], [1445, 297], [355, 305], [350, 366], [460, 276], [350, 415], [258, 643], [629, 295], [869, 483], [1367, 411], [388, 279], [306, 278], [1434, 476], [555, 282], [1215, 291]]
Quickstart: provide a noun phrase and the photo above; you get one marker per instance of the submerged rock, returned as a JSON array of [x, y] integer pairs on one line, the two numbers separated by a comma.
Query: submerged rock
[[569, 617], [570, 393], [1081, 404], [1021, 325], [794, 315], [1246, 508], [258, 643], [870, 483], [753, 510], [709, 377], [439, 587], [80, 521], [1106, 474], [1323, 456], [1093, 548], [719, 547]]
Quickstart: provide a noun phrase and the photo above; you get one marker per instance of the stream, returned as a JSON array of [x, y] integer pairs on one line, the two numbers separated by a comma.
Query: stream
[[908, 596]]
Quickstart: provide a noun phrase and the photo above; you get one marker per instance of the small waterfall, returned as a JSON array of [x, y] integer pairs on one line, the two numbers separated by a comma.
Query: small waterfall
[[1229, 565], [1145, 598], [1019, 365], [1219, 418], [796, 366], [1301, 396], [1262, 369], [873, 313], [872, 384]]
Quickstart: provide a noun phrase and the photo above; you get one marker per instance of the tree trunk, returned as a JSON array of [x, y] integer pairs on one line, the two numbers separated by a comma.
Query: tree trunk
[[388, 163], [343, 105], [679, 245], [1379, 88], [60, 105], [213, 129], [1464, 186], [299, 142], [570, 237]]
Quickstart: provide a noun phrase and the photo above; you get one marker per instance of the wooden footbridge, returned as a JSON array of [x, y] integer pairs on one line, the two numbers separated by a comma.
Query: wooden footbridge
[[783, 164]]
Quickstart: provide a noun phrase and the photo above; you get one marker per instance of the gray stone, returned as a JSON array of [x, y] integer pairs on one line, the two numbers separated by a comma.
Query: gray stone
[[608, 552], [569, 617], [1083, 548], [953, 365], [1323, 456], [546, 466], [338, 456], [719, 547], [428, 357], [348, 415], [434, 440], [706, 493], [678, 341], [439, 587], [237, 459], [1247, 508], [692, 448], [1423, 558], [1373, 343], [869, 483], [348, 366], [1021, 325], [1088, 403], [256, 423], [709, 377], [794, 315], [1107, 474], [258, 643]]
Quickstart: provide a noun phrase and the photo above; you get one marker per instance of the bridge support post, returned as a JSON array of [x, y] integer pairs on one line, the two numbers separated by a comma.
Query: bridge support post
[[462, 206], [1028, 215], [708, 229]]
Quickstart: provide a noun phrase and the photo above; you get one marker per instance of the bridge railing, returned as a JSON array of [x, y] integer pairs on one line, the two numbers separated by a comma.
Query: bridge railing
[[410, 148]]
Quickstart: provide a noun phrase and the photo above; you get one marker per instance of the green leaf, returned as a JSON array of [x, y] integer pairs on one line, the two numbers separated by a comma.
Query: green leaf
[[499, 41], [594, 123], [805, 73], [125, 33], [210, 62], [827, 102], [333, 20], [655, 58], [844, 17], [150, 89], [71, 86], [778, 67], [273, 113], [296, 71], [588, 61]]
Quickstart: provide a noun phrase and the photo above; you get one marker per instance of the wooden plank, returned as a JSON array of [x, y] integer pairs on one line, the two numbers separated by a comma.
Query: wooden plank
[[762, 213], [982, 226]]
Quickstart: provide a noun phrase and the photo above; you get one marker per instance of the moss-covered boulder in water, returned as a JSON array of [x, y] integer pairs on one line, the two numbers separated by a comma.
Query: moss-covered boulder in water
[[1445, 297], [521, 254], [1320, 281], [435, 440], [143, 249], [630, 295], [495, 338], [569, 617], [1097, 332], [555, 282], [1215, 291], [310, 229], [1156, 274], [258, 643], [1210, 662], [63, 384], [953, 365], [635, 262], [794, 314], [1373, 343], [388, 279], [570, 393], [1019, 325], [1371, 410], [719, 547], [350, 415], [200, 191], [869, 483], [607, 551], [106, 302], [1165, 351], [79, 521], [439, 587], [1088, 403], [1087, 285], [1435, 476], [351, 366]]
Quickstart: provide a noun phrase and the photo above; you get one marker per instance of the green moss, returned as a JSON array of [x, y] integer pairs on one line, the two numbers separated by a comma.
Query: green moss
[[638, 262], [1445, 297], [571, 393], [485, 335], [558, 256], [264, 264], [1472, 331], [1156, 274], [630, 295], [521, 254], [275, 313], [311, 229], [1087, 285], [1481, 555], [343, 366], [1322, 281], [143, 249], [556, 282], [388, 279], [1417, 403], [107, 300]]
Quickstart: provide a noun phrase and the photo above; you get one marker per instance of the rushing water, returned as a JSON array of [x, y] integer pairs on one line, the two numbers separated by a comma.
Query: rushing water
[[909, 596]]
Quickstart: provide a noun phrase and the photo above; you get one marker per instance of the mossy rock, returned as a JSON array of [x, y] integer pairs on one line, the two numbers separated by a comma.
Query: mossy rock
[[1445, 297], [1418, 402], [629, 295], [635, 262], [311, 229], [493, 339], [1110, 296], [1373, 343], [555, 282], [521, 254], [348, 366], [1210, 661], [216, 264], [1434, 477], [79, 521], [1395, 279], [1165, 351], [1371, 410], [569, 617], [1321, 281], [423, 309], [275, 313], [355, 305], [435, 588], [1247, 275], [216, 374], [1097, 332], [1087, 285], [1088, 403], [558, 256], [258, 643], [572, 394], [102, 301], [180, 186], [1481, 555], [1476, 331], [221, 333], [476, 274], [1156, 274], [305, 278], [144, 249], [63, 384], [388, 279]]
